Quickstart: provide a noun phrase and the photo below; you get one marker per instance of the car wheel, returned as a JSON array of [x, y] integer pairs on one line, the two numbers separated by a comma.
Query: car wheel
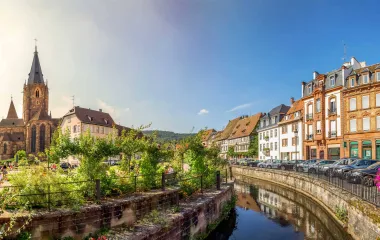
[[269, 166], [300, 169]]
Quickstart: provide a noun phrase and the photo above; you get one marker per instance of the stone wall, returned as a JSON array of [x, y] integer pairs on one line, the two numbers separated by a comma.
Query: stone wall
[[91, 218], [363, 218]]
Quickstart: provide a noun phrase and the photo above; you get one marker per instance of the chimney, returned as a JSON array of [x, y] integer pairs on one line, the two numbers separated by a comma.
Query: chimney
[[302, 88], [100, 110], [315, 74], [291, 100]]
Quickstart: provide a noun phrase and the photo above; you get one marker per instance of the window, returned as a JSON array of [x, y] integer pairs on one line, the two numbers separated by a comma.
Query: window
[[294, 127], [333, 127], [42, 138], [377, 122], [261, 147], [101, 130], [332, 81], [365, 102], [378, 76], [275, 132], [366, 124], [261, 124], [353, 125], [352, 104], [352, 82], [5, 149], [297, 114], [271, 133], [284, 142], [284, 129], [271, 146], [69, 120], [318, 105], [309, 88], [332, 105], [74, 128], [275, 146], [261, 136], [293, 141], [310, 128], [318, 127], [37, 93], [377, 99], [273, 120], [365, 79]]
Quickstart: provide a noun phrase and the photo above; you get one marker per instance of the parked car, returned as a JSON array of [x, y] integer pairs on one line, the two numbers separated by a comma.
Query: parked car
[[289, 165], [331, 169], [318, 166], [358, 164], [364, 176], [264, 163], [241, 161], [274, 164], [300, 166], [253, 163]]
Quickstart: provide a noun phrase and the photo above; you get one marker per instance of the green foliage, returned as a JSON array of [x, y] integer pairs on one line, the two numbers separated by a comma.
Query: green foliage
[[341, 213], [166, 136], [231, 152], [24, 236]]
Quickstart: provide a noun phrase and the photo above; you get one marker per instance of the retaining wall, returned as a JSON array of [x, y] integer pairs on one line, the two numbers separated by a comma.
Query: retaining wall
[[363, 218]]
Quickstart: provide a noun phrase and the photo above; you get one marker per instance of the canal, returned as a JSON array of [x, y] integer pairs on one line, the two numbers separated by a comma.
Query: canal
[[266, 211]]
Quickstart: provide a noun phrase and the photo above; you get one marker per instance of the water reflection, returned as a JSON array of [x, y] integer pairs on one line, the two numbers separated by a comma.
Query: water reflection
[[268, 211]]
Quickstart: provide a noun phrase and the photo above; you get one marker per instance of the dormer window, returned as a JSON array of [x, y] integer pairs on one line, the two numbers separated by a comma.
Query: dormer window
[[309, 87], [365, 79], [332, 81], [90, 118], [106, 121], [378, 76], [352, 82]]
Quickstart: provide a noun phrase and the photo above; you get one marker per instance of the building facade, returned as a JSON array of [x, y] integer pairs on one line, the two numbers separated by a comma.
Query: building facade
[[291, 132], [361, 123], [269, 136], [323, 113], [207, 137], [33, 132], [242, 134], [223, 141]]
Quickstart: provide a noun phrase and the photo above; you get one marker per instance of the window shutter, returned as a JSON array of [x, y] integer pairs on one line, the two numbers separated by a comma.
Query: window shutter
[[352, 104], [365, 102], [378, 122], [353, 125], [366, 124]]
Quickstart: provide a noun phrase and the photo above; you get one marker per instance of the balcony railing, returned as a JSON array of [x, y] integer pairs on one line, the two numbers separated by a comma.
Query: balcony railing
[[309, 116], [332, 134], [332, 111], [309, 137]]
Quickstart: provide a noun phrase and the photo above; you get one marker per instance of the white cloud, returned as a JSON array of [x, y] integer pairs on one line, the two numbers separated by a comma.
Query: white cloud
[[203, 112], [112, 110], [127, 109], [246, 105]]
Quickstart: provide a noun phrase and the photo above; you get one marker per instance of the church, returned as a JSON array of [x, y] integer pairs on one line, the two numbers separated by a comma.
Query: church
[[32, 132]]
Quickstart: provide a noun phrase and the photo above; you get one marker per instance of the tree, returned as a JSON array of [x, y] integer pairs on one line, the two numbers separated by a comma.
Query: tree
[[253, 149], [231, 151]]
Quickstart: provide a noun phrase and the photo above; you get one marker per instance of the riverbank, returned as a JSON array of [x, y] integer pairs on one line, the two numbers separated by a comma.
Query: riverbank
[[190, 219], [360, 219]]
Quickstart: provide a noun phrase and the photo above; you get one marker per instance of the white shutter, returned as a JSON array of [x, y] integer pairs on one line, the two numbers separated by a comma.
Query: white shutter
[[366, 124], [352, 104], [377, 99], [353, 125], [333, 126], [378, 122], [365, 102], [310, 129]]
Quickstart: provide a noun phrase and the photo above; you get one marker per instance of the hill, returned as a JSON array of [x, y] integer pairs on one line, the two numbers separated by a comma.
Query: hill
[[167, 136]]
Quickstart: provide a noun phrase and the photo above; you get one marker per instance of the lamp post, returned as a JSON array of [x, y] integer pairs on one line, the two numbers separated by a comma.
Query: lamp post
[[296, 135]]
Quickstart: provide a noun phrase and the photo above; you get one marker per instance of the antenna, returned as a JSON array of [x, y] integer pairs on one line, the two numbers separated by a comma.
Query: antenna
[[73, 99], [35, 44], [344, 52]]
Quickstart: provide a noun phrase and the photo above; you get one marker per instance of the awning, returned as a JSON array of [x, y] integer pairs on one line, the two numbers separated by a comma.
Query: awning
[[353, 143], [333, 146], [377, 141], [367, 143]]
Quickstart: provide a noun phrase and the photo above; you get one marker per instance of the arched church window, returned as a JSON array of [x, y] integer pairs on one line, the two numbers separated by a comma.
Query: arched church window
[[5, 148], [42, 138], [37, 93], [33, 140]]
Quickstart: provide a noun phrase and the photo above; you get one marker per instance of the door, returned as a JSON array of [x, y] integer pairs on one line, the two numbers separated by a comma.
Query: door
[[322, 154]]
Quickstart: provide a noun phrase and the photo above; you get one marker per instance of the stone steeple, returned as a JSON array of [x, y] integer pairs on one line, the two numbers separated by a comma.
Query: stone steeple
[[12, 114], [35, 75]]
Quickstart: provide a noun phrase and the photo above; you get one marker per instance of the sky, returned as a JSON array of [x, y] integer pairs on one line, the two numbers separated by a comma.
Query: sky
[[181, 65]]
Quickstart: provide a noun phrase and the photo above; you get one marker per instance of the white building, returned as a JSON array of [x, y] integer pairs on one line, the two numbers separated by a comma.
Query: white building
[[291, 134], [269, 136]]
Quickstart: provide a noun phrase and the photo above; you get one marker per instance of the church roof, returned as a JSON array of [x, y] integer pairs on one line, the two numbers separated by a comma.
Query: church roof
[[40, 115], [12, 137], [12, 123], [12, 114], [35, 75]]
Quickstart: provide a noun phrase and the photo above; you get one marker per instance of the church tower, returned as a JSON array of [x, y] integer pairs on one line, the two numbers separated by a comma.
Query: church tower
[[36, 92]]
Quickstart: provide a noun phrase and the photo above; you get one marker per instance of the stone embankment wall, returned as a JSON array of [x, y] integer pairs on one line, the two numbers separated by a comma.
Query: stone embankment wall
[[89, 219], [363, 218]]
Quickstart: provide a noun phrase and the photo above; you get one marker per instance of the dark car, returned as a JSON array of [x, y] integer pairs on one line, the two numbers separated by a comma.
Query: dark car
[[300, 167], [253, 163], [358, 164], [318, 166], [364, 176], [65, 165], [331, 169], [289, 165]]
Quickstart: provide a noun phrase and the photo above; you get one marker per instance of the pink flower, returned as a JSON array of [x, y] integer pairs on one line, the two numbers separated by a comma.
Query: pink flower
[[377, 179]]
